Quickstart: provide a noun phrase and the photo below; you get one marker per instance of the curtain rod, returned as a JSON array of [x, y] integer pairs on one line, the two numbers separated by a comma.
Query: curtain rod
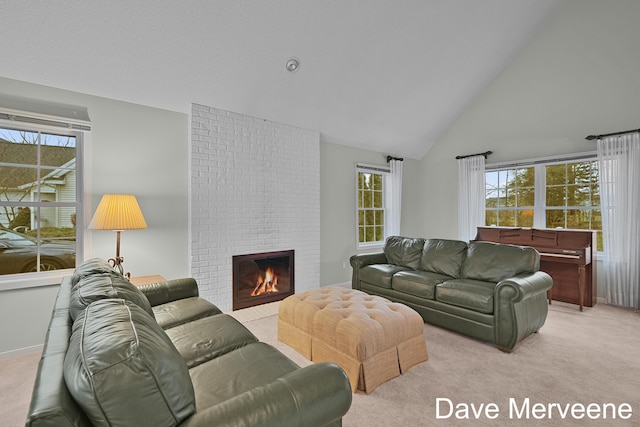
[[485, 154], [592, 137], [389, 158]]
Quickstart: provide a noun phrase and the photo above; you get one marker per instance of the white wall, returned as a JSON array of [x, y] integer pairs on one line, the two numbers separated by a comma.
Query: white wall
[[255, 187], [338, 214], [133, 149], [338, 202], [578, 76]]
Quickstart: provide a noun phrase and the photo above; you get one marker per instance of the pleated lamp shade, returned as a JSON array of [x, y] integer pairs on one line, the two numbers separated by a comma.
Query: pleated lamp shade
[[118, 212]]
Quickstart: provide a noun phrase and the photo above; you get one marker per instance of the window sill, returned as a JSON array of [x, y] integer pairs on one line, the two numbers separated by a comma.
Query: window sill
[[370, 246], [32, 280]]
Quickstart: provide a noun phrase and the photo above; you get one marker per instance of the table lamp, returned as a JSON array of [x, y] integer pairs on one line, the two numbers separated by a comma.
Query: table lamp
[[118, 212]]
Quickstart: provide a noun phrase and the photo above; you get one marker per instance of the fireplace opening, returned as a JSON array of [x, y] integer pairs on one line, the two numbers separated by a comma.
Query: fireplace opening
[[262, 278]]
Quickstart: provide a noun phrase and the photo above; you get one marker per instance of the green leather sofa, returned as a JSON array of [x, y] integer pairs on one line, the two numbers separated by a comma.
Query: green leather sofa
[[490, 291], [159, 355]]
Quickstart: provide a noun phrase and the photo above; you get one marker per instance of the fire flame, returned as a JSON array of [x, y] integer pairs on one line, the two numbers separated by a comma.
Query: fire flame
[[268, 285]]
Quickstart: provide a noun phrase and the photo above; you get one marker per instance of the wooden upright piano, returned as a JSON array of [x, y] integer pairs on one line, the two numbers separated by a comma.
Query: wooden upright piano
[[566, 255]]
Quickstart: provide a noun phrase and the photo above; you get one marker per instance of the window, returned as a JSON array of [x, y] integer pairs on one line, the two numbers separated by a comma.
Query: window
[[371, 205], [545, 194], [510, 197], [40, 198]]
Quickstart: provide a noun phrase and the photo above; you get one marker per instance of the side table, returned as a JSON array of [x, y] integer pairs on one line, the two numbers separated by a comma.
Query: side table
[[143, 280]]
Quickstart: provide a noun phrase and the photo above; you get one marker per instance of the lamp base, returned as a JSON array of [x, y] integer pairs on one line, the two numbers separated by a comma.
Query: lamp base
[[118, 260], [116, 264]]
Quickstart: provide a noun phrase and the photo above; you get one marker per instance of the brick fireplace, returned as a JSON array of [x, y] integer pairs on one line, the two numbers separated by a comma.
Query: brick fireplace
[[262, 278], [255, 187]]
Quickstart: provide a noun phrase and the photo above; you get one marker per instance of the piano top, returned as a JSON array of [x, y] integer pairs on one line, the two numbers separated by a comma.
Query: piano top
[[560, 245], [537, 237]]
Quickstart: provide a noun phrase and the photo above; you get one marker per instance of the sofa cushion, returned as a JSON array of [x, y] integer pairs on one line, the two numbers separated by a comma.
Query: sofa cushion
[[380, 274], [89, 267], [182, 311], [493, 262], [207, 338], [418, 283], [404, 251], [122, 369], [443, 256], [228, 376], [105, 285], [170, 290], [475, 295]]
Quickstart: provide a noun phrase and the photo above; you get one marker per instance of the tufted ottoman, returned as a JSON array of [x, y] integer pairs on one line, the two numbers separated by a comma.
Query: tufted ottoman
[[370, 337]]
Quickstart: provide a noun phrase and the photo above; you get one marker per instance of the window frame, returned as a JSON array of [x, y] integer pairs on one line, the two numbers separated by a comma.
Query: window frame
[[80, 130], [385, 172], [540, 185]]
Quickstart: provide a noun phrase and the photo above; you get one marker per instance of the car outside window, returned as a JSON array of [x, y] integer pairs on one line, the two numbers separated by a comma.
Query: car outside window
[[39, 198]]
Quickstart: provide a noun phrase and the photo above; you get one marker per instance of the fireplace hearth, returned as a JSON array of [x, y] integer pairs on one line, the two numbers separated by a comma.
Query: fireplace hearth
[[261, 278]]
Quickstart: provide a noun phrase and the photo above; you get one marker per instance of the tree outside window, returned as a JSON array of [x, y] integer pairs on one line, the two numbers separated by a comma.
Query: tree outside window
[[568, 192], [38, 200], [510, 197], [370, 207]]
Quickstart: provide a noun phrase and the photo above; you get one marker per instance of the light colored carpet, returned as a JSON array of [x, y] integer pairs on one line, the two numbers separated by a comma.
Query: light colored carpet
[[17, 375], [257, 312], [588, 357]]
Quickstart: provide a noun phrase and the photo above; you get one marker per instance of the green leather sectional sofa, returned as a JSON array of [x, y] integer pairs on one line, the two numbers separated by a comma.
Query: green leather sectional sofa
[[490, 291], [159, 355]]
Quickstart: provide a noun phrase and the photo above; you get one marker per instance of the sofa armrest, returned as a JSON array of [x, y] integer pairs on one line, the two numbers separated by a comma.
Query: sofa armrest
[[526, 286], [170, 290], [521, 307], [317, 395], [359, 261], [51, 403], [362, 260]]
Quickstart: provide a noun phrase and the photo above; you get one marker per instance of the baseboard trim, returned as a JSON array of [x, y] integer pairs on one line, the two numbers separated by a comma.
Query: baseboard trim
[[21, 351]]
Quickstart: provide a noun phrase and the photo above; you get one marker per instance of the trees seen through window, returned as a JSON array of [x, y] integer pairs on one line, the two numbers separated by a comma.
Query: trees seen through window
[[370, 207], [559, 195]]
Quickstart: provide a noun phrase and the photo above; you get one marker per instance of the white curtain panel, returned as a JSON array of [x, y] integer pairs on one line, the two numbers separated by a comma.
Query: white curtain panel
[[619, 164], [471, 196], [394, 198]]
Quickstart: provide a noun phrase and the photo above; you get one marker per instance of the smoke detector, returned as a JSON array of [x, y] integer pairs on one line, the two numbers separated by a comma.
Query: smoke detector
[[293, 64]]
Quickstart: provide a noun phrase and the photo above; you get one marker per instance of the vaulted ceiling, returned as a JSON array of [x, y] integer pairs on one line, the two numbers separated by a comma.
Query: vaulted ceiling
[[386, 75]]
